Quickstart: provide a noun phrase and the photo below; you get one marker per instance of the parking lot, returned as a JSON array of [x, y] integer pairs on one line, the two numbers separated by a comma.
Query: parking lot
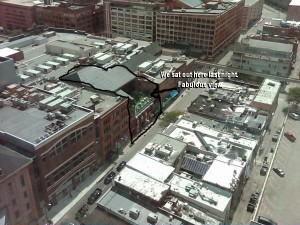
[[281, 198]]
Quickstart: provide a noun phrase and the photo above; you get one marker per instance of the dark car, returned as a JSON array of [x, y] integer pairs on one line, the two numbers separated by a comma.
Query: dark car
[[266, 221], [250, 208], [290, 136], [121, 166], [109, 177], [94, 196], [279, 171]]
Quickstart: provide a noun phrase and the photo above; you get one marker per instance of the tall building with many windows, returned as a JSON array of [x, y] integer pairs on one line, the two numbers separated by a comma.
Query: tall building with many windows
[[206, 29], [132, 19]]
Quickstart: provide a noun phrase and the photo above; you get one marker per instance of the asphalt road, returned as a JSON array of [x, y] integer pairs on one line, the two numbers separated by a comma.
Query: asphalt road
[[281, 199]]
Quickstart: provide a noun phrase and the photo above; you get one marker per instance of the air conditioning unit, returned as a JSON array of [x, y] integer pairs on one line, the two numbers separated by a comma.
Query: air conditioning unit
[[50, 116]]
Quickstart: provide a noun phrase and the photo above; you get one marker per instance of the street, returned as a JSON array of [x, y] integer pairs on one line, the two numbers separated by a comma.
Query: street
[[93, 215]]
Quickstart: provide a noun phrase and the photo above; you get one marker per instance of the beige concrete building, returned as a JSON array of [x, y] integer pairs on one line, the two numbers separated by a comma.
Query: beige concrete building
[[252, 12], [18, 200]]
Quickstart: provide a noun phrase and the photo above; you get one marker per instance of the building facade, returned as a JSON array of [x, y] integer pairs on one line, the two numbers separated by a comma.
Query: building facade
[[293, 12], [209, 29], [263, 57], [17, 15], [88, 18], [8, 73], [252, 12], [18, 196], [62, 147], [132, 19]]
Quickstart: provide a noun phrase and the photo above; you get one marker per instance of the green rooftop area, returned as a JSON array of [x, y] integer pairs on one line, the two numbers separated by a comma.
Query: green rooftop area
[[142, 102]]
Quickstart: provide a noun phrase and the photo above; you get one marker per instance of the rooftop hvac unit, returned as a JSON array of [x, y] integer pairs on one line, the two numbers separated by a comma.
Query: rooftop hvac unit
[[50, 116], [95, 98], [134, 213], [194, 125], [169, 147], [152, 218]]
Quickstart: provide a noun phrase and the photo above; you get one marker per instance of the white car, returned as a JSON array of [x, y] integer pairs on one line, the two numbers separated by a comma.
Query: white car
[[295, 116]]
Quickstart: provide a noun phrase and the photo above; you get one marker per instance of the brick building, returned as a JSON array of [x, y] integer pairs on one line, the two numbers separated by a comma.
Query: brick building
[[17, 14], [84, 17], [62, 145], [293, 12], [206, 30], [18, 200]]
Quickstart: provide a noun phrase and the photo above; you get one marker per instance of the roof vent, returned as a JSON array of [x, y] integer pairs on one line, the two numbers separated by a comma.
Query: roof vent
[[271, 84]]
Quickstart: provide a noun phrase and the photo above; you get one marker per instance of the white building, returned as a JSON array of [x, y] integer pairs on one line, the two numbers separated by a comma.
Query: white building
[[263, 57]]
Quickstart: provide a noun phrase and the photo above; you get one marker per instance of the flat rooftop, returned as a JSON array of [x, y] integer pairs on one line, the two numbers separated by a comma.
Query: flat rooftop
[[112, 202], [11, 161], [5, 52], [249, 144], [142, 184], [213, 199], [33, 123], [107, 101], [224, 172], [150, 167], [250, 2], [163, 140], [19, 2], [273, 46], [77, 46], [295, 3], [267, 92], [111, 80]]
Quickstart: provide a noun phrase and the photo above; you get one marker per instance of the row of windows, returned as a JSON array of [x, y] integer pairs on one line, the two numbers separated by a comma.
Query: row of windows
[[10, 187], [63, 144], [161, 18], [67, 167]]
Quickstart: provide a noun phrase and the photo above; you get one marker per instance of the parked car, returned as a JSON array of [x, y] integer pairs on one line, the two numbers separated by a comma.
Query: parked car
[[121, 166], [290, 136], [266, 221], [279, 171], [250, 208], [81, 212], [109, 177], [295, 116], [264, 168], [94, 196]]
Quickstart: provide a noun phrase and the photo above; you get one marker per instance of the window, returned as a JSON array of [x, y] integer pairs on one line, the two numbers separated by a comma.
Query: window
[[22, 180], [17, 214], [27, 206], [25, 194], [10, 188], [14, 202]]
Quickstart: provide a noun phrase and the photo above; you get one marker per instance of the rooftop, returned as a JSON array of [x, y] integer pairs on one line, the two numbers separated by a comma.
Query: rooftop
[[77, 46], [161, 140], [120, 206], [250, 2], [267, 92], [11, 161], [215, 200], [150, 167], [224, 172], [111, 80], [32, 127], [295, 3], [5, 52], [20, 2], [142, 184]]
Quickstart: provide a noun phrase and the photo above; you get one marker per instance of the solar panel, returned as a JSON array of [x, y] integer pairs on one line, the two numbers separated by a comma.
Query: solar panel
[[194, 166]]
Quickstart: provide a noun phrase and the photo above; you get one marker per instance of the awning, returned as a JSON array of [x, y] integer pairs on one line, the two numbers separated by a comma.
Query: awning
[[173, 93]]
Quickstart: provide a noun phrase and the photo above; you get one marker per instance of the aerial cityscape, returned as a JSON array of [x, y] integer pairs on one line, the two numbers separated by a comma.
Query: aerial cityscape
[[136, 112]]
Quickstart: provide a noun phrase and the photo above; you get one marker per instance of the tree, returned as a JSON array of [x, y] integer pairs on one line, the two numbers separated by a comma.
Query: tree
[[169, 117], [293, 95]]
